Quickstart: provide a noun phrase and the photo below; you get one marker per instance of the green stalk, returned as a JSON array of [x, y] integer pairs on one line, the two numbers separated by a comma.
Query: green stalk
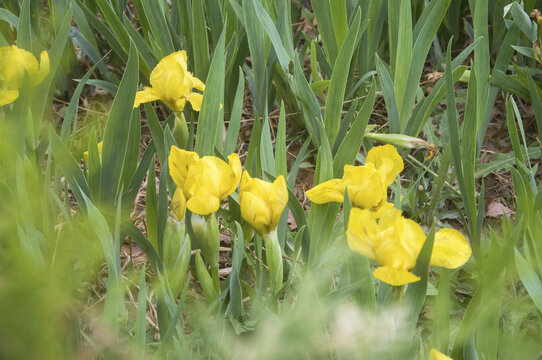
[[273, 257]]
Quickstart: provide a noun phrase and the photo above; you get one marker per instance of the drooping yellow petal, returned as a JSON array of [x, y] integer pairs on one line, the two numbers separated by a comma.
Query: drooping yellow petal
[[145, 96], [178, 204], [393, 276], [198, 84], [328, 191], [387, 162], [362, 228], [8, 96], [195, 101], [179, 161], [203, 204], [450, 250], [364, 184], [437, 355]]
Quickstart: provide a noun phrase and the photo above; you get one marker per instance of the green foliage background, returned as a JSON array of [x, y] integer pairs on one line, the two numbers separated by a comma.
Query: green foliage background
[[89, 267]]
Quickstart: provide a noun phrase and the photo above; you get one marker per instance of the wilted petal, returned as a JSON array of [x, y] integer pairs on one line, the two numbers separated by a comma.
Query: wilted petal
[[450, 250], [328, 191], [394, 277]]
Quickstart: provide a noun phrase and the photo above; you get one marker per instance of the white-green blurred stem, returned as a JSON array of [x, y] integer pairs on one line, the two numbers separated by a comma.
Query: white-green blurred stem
[[273, 257]]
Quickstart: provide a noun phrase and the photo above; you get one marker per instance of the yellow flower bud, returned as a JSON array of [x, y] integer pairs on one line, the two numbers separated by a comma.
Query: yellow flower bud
[[262, 203], [173, 84], [14, 64], [204, 181]]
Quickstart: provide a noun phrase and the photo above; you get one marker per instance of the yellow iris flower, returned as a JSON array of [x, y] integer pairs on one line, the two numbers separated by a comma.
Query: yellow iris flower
[[367, 184], [395, 242], [204, 181], [262, 202], [14, 63], [173, 84]]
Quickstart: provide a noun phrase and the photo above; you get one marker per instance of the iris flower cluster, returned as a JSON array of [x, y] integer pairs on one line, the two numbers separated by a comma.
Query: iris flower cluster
[[377, 230]]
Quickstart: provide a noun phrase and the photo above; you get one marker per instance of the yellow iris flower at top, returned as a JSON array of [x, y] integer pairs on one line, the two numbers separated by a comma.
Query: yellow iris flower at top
[[367, 184], [14, 63], [204, 181], [262, 202], [395, 243], [173, 84]]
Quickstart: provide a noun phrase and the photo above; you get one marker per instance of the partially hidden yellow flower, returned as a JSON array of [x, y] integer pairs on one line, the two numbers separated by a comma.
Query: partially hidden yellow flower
[[262, 202], [178, 204], [437, 355], [85, 154], [173, 84], [367, 184], [204, 181], [395, 243], [14, 63]]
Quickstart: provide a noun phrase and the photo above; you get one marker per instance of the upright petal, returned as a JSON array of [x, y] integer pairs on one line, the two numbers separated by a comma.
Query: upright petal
[[394, 277], [364, 184], [328, 191], [387, 162], [179, 161], [451, 249]]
